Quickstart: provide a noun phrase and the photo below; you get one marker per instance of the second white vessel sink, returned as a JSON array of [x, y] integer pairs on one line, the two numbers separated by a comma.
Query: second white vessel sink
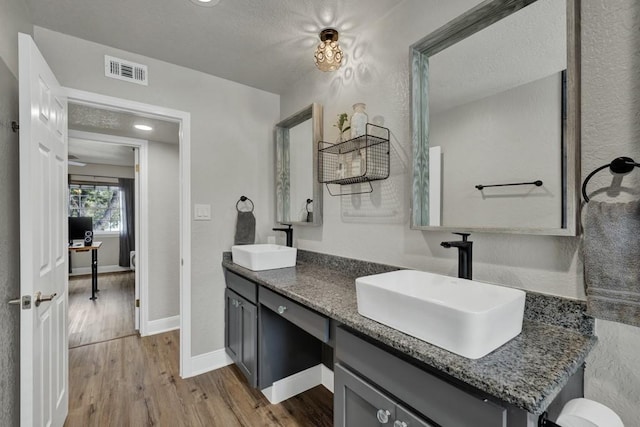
[[466, 317], [264, 256]]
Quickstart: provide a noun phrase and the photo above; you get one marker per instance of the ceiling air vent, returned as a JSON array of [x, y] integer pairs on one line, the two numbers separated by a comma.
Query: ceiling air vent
[[125, 70]]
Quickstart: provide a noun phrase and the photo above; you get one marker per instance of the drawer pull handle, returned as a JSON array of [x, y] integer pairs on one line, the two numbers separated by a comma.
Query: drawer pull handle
[[399, 423], [383, 416], [282, 309]]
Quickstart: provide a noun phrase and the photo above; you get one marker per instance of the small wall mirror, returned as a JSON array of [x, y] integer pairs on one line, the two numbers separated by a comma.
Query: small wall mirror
[[495, 120], [298, 192]]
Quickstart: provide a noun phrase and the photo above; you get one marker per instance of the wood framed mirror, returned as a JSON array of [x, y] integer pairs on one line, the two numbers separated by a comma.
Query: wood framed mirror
[[495, 120], [298, 192]]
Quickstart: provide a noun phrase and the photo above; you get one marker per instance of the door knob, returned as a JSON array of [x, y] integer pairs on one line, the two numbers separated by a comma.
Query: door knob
[[383, 416], [40, 298], [282, 309]]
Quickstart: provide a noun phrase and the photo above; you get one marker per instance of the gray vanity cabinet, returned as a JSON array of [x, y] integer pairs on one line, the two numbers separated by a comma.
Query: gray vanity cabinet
[[241, 326], [358, 403], [241, 334], [432, 397]]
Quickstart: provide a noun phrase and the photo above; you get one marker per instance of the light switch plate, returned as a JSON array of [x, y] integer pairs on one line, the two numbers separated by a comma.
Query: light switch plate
[[202, 212]]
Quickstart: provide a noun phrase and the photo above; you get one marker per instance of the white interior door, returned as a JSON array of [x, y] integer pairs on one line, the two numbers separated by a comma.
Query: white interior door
[[44, 377]]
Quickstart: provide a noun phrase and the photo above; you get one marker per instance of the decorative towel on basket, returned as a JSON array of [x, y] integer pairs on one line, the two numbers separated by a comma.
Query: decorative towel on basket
[[245, 229], [612, 261]]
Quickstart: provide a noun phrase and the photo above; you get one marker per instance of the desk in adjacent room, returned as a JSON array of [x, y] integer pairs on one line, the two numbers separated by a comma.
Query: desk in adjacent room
[[94, 264]]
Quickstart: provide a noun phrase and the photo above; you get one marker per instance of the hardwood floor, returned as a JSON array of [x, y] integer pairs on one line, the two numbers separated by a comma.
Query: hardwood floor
[[110, 316], [135, 381]]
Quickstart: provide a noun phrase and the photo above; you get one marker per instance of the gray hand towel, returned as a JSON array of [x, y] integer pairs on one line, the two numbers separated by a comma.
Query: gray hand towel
[[245, 229], [612, 261]]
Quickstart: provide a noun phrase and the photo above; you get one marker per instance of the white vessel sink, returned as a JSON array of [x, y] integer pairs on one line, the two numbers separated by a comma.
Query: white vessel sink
[[264, 256], [463, 316]]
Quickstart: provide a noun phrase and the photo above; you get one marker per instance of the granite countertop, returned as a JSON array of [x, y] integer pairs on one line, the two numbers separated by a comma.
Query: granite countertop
[[527, 372]]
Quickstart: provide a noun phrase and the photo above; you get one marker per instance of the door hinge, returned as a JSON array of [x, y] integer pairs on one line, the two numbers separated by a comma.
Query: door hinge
[[137, 303], [137, 167]]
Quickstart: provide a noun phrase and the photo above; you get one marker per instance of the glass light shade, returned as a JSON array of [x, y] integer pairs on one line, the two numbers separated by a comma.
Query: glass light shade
[[328, 55]]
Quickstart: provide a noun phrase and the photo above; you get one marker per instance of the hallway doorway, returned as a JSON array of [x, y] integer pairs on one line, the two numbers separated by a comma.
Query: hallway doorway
[[161, 319]]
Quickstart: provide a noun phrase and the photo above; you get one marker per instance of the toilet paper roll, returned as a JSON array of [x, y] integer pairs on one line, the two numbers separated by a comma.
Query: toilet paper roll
[[587, 413]]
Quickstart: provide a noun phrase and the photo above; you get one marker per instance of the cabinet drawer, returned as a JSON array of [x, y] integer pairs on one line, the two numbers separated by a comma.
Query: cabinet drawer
[[306, 319], [433, 397], [358, 403], [241, 286]]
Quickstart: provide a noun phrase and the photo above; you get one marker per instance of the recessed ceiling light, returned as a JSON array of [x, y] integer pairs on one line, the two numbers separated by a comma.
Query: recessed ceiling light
[[205, 3], [143, 127]]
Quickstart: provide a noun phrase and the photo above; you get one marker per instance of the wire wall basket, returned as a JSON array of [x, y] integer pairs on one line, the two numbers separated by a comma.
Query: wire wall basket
[[357, 160]]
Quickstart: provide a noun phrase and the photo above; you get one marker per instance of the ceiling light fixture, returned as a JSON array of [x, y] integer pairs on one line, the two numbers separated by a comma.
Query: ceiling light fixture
[[205, 3], [328, 55], [143, 127]]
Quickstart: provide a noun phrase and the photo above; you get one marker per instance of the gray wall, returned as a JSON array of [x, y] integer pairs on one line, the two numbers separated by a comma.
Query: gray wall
[[377, 73], [231, 155], [523, 145], [9, 249], [164, 228], [610, 128], [14, 17]]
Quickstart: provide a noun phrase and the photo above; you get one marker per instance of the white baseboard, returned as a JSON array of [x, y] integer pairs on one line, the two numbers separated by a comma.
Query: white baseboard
[[162, 325], [80, 271], [298, 383], [206, 362], [327, 378]]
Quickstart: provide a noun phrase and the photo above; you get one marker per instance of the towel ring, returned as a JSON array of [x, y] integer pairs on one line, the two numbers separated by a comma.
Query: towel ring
[[619, 165], [244, 199]]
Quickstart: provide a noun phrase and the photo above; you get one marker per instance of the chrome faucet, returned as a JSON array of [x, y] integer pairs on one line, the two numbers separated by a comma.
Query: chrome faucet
[[289, 232], [464, 254]]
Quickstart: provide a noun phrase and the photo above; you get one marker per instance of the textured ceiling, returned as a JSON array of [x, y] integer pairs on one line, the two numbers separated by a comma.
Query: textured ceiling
[[96, 120], [91, 119], [94, 152], [264, 44], [523, 47]]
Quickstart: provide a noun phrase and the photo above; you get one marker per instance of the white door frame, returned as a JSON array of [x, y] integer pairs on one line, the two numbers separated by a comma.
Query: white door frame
[[141, 220], [184, 119]]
